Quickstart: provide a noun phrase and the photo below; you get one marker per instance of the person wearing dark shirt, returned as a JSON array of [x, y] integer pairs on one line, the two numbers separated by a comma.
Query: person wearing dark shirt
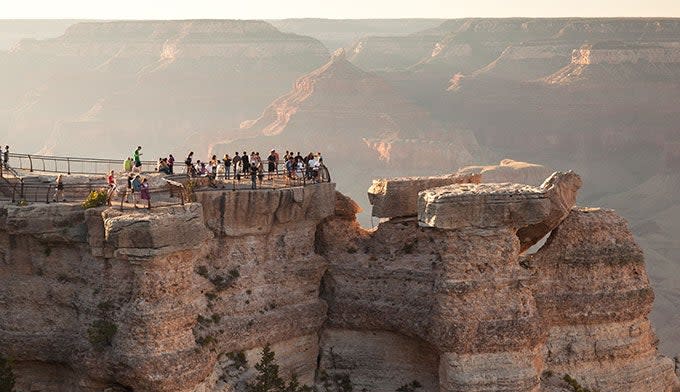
[[245, 163], [271, 164]]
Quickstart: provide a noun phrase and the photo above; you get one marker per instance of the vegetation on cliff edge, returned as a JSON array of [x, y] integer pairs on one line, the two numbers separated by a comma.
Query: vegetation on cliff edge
[[6, 375]]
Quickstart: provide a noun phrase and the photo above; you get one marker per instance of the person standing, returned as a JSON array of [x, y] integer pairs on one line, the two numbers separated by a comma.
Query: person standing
[[245, 163], [276, 161], [145, 193], [189, 163], [260, 171], [128, 190], [171, 164], [138, 158], [111, 181], [253, 177], [59, 192], [227, 166], [127, 165], [272, 163], [5, 156], [136, 189], [213, 166]]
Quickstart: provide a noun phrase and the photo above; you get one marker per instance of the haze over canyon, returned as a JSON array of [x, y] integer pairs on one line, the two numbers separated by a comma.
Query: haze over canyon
[[379, 98]]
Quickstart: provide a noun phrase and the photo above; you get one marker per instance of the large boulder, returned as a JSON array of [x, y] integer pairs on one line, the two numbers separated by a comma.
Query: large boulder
[[482, 206], [561, 189], [398, 197]]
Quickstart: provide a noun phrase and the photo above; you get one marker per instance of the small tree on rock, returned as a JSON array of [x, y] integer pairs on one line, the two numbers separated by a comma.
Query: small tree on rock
[[268, 379], [6, 375]]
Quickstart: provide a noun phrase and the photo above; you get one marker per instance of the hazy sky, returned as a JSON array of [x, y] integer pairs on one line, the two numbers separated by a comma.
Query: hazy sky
[[275, 9]]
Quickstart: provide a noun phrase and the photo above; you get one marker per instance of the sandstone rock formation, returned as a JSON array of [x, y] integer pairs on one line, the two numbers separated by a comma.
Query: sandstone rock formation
[[467, 296], [397, 197], [183, 298], [509, 170]]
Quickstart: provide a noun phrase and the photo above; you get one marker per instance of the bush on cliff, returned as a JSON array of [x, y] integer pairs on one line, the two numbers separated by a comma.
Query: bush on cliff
[[410, 387], [6, 375], [575, 386], [268, 379], [101, 333], [96, 198]]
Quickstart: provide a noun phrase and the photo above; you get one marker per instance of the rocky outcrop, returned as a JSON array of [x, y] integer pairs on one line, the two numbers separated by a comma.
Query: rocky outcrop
[[183, 298], [594, 296], [561, 189], [464, 290], [509, 170], [396, 197], [155, 301]]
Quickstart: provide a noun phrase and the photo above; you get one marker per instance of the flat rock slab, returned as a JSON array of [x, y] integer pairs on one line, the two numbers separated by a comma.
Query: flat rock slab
[[397, 197], [482, 205]]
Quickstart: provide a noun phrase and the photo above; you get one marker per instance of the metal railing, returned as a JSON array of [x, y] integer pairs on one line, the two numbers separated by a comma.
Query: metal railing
[[14, 187], [70, 165], [263, 180]]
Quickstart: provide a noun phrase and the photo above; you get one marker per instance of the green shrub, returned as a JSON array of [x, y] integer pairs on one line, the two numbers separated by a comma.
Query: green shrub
[[575, 386], [239, 358], [6, 375], [204, 341], [101, 333], [410, 387], [203, 271], [96, 198], [105, 306], [408, 248], [268, 379]]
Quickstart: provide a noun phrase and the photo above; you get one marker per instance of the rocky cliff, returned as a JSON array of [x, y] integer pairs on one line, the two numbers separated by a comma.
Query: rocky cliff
[[183, 298]]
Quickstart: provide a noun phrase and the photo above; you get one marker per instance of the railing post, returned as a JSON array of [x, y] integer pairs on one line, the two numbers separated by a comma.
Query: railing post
[[21, 194], [47, 195], [68, 166], [30, 163]]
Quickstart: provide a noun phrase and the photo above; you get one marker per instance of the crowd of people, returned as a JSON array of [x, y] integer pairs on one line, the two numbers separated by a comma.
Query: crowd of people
[[237, 167], [240, 165], [290, 166]]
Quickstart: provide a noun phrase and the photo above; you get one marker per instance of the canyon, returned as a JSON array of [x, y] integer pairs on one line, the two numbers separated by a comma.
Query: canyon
[[442, 292], [402, 98]]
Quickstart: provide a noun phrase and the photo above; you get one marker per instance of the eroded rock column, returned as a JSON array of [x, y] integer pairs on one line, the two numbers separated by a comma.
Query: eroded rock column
[[485, 320]]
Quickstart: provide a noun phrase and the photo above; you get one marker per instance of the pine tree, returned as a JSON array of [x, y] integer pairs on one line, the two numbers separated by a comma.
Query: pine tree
[[6, 375], [268, 379], [294, 385]]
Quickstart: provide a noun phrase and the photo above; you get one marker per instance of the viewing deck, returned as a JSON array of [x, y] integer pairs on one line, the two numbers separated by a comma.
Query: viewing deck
[[31, 178]]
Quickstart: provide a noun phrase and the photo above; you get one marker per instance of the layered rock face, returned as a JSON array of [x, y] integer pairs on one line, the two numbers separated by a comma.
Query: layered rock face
[[452, 281], [183, 298], [102, 299]]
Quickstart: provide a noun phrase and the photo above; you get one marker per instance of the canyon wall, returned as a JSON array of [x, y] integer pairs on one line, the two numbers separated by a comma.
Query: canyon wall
[[183, 298]]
